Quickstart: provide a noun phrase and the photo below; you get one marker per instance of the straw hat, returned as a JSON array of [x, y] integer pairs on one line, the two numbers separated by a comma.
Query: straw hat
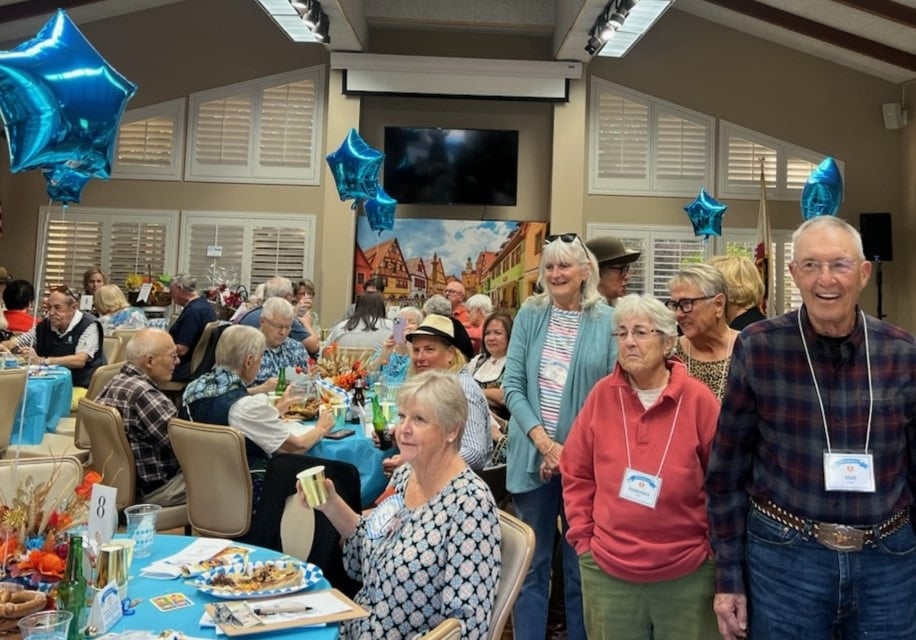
[[435, 325]]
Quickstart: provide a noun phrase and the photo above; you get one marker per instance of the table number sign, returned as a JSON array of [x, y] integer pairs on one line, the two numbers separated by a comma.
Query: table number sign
[[86, 302], [145, 289], [103, 514]]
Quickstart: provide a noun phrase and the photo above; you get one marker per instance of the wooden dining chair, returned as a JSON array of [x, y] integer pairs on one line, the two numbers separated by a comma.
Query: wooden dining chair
[[100, 377], [517, 550], [216, 474], [12, 386], [448, 629], [113, 458]]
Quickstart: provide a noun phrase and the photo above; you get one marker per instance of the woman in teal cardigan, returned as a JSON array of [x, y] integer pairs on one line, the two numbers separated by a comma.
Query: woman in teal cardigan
[[561, 346]]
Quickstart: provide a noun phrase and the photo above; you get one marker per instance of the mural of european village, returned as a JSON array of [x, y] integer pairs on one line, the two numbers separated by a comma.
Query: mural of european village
[[419, 257]]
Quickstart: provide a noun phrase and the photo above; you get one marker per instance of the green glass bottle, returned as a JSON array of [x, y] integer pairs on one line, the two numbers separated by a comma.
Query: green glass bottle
[[72, 589], [380, 425], [281, 381]]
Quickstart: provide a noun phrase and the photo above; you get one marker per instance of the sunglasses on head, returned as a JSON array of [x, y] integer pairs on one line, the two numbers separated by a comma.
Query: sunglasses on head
[[565, 237], [66, 291]]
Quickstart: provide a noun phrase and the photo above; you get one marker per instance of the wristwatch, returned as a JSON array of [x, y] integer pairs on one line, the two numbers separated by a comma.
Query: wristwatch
[[47, 363]]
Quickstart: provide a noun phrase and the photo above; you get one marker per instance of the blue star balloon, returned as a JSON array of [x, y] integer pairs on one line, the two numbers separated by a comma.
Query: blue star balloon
[[705, 214], [355, 167], [64, 184], [380, 211], [823, 191], [61, 101]]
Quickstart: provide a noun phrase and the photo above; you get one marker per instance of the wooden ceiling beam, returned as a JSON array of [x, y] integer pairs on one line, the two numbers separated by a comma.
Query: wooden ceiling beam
[[819, 31], [886, 9]]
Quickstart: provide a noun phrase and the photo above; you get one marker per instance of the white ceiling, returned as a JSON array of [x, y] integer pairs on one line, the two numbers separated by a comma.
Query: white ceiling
[[567, 23]]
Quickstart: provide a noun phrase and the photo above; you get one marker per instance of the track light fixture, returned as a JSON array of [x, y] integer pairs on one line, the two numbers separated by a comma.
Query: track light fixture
[[607, 24]]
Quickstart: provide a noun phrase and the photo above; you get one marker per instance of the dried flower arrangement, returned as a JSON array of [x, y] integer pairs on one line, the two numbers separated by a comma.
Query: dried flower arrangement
[[339, 367]]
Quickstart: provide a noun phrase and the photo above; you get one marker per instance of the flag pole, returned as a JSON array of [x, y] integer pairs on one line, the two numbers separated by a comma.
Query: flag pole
[[763, 253]]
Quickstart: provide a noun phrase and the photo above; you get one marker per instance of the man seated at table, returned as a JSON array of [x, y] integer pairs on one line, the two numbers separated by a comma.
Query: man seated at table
[[18, 297], [280, 287], [221, 397], [196, 313], [146, 411], [67, 338], [282, 351]]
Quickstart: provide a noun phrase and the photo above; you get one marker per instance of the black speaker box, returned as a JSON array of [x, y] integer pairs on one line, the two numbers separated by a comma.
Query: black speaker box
[[877, 238]]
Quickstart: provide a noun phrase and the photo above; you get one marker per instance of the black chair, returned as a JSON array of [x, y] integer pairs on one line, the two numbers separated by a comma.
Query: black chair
[[495, 477], [279, 484]]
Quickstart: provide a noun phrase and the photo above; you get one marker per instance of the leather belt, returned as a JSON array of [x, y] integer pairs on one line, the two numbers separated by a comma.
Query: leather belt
[[838, 537]]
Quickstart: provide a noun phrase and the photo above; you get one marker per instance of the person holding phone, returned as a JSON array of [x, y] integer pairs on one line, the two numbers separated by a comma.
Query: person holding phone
[[392, 358]]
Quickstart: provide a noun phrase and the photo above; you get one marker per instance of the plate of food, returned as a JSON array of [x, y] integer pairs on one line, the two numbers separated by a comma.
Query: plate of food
[[242, 581], [229, 556], [304, 410]]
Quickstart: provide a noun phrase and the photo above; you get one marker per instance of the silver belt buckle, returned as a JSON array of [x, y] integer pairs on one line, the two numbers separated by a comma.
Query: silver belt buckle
[[840, 537]]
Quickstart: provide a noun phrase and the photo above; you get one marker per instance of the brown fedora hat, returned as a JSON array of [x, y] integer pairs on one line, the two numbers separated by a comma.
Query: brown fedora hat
[[608, 249]]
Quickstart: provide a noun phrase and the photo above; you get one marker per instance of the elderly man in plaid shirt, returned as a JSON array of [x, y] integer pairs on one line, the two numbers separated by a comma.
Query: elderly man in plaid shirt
[[146, 411], [813, 469]]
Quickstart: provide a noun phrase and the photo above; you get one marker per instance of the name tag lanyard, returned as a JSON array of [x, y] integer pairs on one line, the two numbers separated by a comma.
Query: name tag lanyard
[[830, 459], [649, 501]]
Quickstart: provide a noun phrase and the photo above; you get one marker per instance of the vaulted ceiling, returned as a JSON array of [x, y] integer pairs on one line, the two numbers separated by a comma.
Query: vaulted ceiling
[[877, 37]]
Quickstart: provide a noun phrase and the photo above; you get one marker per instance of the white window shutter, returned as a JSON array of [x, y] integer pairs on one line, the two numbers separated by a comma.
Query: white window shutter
[[72, 246], [278, 251], [791, 296], [682, 150], [622, 138], [150, 143], [743, 164], [797, 172], [229, 237], [639, 273], [136, 247], [265, 131], [223, 132], [285, 134], [669, 256]]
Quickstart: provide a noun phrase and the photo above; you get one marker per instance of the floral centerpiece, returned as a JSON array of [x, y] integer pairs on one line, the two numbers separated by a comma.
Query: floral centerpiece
[[224, 291], [159, 292], [33, 524], [340, 368]]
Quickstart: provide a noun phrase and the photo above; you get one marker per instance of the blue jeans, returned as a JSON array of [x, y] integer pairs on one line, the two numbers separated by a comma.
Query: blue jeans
[[539, 509], [800, 589]]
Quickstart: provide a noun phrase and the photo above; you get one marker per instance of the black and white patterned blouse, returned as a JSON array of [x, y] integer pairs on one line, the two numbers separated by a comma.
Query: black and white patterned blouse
[[440, 560]]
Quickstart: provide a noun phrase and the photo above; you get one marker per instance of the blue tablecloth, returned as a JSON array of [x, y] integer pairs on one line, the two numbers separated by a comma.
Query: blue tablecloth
[[149, 618], [47, 400], [359, 451]]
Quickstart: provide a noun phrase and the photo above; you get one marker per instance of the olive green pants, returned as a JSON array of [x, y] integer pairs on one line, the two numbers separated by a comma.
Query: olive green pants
[[679, 609]]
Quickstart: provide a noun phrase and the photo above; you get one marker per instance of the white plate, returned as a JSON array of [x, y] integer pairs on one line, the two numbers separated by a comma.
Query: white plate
[[311, 575]]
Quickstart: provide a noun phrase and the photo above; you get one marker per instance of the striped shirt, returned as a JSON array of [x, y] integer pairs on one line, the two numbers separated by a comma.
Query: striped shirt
[[562, 330], [770, 439]]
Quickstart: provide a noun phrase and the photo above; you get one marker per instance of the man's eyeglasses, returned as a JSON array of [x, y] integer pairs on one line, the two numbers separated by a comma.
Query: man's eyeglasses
[[841, 267], [171, 356], [565, 237], [685, 304], [639, 333], [622, 269], [277, 325]]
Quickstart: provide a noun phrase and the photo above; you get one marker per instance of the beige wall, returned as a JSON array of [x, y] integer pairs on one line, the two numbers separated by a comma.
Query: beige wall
[[172, 51]]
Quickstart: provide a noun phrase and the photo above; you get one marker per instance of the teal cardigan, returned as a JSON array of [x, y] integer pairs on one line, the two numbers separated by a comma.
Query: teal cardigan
[[594, 357]]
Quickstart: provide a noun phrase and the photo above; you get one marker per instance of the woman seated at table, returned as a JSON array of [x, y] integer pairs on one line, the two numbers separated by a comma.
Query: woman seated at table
[[114, 312], [433, 347], [487, 369], [649, 424], [392, 360], [431, 550], [367, 328], [18, 297], [221, 397]]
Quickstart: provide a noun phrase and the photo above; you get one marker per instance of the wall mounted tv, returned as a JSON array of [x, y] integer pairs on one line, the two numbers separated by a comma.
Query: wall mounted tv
[[451, 166]]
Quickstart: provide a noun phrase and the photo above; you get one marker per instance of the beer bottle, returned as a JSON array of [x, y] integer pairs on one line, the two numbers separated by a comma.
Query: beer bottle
[[380, 425], [71, 590], [281, 382]]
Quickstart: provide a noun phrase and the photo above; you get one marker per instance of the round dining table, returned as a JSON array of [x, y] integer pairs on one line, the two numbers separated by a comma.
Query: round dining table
[[147, 617], [46, 400]]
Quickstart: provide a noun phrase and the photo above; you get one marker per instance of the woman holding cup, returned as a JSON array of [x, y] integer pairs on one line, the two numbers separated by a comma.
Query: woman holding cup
[[436, 500]]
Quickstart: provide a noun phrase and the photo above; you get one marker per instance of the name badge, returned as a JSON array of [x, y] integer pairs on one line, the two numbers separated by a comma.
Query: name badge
[[641, 488], [379, 522], [849, 472], [556, 371]]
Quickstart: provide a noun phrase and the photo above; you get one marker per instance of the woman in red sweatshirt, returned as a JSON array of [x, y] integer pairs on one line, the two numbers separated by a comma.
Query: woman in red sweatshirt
[[633, 469]]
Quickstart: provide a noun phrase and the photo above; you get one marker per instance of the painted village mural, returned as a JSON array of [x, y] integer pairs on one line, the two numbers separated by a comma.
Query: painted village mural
[[419, 257]]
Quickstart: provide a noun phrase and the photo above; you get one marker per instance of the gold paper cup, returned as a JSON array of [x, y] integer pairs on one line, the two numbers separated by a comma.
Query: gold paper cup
[[312, 482], [113, 564]]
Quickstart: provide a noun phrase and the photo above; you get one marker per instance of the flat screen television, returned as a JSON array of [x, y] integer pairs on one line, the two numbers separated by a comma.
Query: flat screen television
[[451, 166]]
